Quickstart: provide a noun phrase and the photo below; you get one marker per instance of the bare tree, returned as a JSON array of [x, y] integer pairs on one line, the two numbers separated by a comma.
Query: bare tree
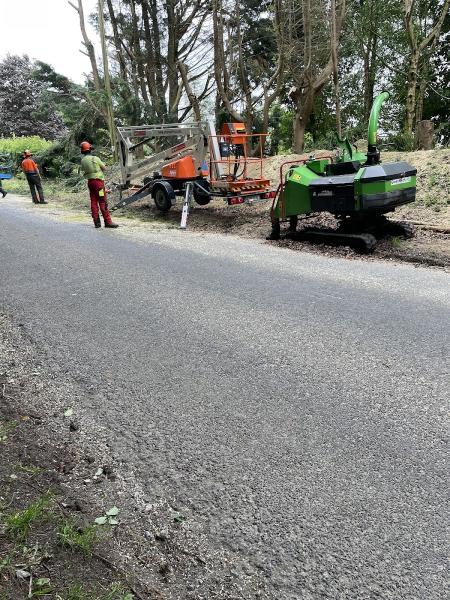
[[247, 82], [221, 72], [312, 61], [149, 40], [90, 51]]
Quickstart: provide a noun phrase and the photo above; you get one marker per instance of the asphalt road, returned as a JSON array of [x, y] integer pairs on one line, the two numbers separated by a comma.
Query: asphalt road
[[296, 404]]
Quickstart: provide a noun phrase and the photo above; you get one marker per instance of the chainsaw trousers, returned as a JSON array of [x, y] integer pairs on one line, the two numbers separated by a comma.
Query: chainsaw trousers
[[37, 193], [98, 200]]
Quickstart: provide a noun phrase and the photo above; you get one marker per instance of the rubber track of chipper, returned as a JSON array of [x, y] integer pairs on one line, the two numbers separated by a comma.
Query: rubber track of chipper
[[361, 242], [398, 228]]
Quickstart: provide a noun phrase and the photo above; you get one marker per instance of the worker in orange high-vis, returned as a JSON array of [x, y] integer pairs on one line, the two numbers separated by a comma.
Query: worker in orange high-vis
[[31, 170], [93, 169]]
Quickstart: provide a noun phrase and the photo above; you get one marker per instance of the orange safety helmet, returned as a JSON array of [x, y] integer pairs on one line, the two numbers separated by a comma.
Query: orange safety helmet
[[85, 147], [27, 153]]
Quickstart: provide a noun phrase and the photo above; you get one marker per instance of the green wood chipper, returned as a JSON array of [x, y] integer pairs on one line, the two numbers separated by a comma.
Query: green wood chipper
[[355, 187]]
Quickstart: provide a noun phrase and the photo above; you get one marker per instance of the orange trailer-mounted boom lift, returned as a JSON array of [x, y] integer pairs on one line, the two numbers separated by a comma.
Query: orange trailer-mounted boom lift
[[200, 165]]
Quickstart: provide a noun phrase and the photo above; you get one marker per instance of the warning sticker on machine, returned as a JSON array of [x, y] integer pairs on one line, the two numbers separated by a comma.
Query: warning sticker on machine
[[400, 180]]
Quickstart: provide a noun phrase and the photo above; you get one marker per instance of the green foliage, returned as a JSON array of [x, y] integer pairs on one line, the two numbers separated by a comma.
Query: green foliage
[[281, 130], [25, 108], [325, 142], [322, 124], [61, 159], [109, 518], [19, 523], [401, 141], [11, 148], [82, 539], [76, 104], [127, 106]]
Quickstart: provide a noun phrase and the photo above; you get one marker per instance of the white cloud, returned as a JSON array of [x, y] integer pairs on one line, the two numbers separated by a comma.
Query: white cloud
[[46, 30]]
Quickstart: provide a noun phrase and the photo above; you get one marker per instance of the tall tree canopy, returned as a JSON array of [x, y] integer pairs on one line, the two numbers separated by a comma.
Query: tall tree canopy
[[25, 108], [319, 64]]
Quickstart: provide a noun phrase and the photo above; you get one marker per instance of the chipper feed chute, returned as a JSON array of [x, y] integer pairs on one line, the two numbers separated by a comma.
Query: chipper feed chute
[[355, 187]]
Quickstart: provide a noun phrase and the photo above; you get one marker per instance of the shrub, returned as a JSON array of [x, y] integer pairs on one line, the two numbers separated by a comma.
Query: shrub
[[404, 142], [11, 148]]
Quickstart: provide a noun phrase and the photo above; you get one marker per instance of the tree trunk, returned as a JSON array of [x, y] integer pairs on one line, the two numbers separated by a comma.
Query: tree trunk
[[117, 41], [136, 44], [334, 57], [172, 59], [311, 81], [245, 84], [370, 63], [299, 133], [424, 135], [193, 100], [220, 70], [159, 100], [303, 100], [417, 49], [411, 93], [88, 45]]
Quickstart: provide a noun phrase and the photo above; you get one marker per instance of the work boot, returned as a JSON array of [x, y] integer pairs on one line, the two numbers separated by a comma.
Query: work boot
[[43, 202], [111, 225], [4, 194], [97, 223]]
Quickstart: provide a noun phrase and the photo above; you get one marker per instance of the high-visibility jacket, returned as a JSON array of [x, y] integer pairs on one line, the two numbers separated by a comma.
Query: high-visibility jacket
[[29, 166], [92, 167]]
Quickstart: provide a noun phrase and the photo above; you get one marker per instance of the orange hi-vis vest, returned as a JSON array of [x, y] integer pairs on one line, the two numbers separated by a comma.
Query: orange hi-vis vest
[[29, 166]]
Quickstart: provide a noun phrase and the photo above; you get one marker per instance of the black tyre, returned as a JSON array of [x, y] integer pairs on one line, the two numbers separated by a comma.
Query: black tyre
[[162, 197], [201, 193]]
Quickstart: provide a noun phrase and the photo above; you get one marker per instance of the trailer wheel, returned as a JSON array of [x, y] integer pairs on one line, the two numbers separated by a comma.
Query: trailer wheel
[[163, 196], [200, 196]]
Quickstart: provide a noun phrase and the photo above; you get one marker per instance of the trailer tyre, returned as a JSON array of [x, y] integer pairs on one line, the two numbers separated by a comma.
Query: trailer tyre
[[202, 197], [164, 196]]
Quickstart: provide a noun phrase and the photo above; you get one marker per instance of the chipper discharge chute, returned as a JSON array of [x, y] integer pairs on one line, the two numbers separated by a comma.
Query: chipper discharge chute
[[355, 187]]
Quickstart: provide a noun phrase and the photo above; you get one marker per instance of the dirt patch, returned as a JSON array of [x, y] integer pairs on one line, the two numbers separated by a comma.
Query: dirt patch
[[50, 545], [58, 476]]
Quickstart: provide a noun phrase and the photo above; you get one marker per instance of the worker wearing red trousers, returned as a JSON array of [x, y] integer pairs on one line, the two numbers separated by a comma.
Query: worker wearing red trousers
[[93, 169]]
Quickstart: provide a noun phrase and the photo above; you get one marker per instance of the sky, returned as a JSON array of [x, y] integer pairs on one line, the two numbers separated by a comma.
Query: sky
[[46, 30]]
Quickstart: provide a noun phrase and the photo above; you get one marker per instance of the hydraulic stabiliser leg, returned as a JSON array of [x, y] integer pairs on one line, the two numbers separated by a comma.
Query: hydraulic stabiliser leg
[[276, 230], [186, 204]]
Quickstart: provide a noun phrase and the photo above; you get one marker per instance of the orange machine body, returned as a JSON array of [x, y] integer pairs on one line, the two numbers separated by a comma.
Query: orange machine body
[[234, 132], [184, 168]]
